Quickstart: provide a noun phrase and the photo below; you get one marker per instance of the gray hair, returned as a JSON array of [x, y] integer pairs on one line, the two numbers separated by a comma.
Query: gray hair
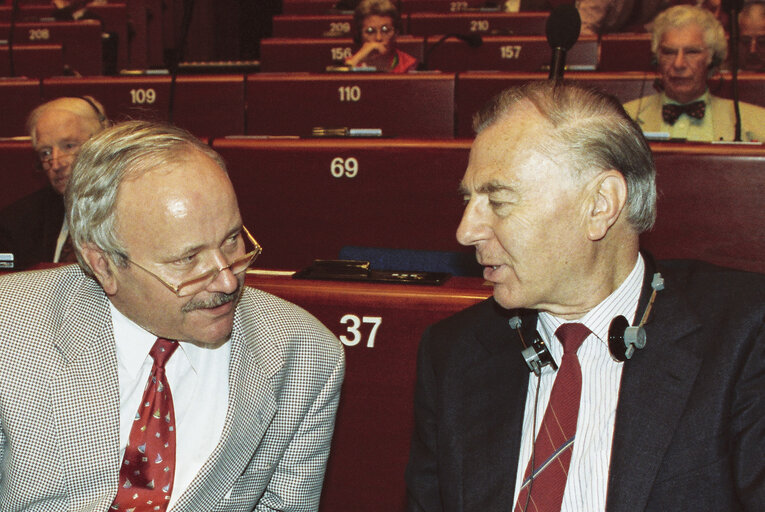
[[85, 107], [127, 150], [681, 16], [590, 129]]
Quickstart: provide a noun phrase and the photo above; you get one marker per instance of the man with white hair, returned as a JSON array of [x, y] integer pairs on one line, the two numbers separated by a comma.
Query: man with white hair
[[33, 228], [689, 44]]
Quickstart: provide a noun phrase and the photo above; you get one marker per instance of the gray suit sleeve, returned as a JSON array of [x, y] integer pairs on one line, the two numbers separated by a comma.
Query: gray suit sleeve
[[297, 481]]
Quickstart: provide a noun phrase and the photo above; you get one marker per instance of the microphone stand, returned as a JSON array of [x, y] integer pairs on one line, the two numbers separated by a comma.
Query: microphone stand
[[177, 55], [734, 8], [473, 40]]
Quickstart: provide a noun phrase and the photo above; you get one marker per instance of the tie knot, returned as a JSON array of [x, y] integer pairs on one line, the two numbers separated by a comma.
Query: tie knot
[[571, 336], [162, 350]]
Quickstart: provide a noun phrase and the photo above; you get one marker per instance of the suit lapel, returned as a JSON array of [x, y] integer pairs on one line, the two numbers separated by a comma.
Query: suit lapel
[[85, 397], [251, 408], [492, 413], [723, 123], [649, 115], [656, 383]]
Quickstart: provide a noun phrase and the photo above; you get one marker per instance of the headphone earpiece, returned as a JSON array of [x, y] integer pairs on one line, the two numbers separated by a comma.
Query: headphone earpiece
[[99, 114], [623, 339]]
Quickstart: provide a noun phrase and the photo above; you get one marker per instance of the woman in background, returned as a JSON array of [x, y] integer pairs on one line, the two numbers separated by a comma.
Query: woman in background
[[376, 23]]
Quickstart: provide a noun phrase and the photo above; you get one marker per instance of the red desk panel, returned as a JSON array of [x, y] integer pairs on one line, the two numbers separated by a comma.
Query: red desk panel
[[402, 195], [484, 23], [625, 52], [307, 6], [374, 421], [113, 17], [409, 105], [710, 204], [474, 89], [311, 25], [123, 97], [18, 96], [412, 6], [33, 61], [18, 176], [503, 53], [80, 40], [314, 55], [208, 106]]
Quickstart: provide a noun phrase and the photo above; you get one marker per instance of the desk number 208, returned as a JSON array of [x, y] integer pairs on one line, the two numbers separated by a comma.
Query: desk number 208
[[353, 330]]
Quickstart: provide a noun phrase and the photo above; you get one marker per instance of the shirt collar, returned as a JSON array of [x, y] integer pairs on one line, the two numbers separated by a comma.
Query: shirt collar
[[623, 301], [133, 344]]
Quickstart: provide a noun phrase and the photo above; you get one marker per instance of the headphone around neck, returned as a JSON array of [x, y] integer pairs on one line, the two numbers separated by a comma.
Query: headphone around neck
[[623, 339]]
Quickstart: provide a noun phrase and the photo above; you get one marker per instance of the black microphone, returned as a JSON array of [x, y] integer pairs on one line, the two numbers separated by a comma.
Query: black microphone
[[472, 39], [562, 28]]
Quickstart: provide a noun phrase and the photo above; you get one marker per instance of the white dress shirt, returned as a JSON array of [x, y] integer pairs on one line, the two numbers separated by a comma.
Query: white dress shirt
[[198, 379], [587, 481]]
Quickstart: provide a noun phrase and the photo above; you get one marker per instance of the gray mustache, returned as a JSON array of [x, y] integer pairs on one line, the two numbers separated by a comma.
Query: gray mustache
[[214, 301]]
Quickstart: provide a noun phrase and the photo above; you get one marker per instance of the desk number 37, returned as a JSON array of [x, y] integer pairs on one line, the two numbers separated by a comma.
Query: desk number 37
[[353, 330]]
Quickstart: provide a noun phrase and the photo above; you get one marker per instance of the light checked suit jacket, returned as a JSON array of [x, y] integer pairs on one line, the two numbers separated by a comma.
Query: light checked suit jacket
[[690, 422], [59, 402], [646, 111]]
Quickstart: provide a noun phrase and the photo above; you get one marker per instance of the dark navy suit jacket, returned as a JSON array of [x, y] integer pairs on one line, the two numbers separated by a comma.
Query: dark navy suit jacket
[[690, 422], [29, 228]]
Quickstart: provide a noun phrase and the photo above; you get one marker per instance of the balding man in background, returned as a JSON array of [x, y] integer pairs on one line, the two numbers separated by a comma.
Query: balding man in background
[[33, 228], [752, 43]]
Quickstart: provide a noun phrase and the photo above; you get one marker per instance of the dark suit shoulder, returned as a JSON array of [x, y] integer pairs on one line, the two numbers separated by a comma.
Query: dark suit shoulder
[[706, 286], [43, 199]]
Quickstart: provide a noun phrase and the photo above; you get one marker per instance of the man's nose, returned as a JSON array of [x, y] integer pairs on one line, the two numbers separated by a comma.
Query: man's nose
[[473, 228], [679, 60], [226, 281]]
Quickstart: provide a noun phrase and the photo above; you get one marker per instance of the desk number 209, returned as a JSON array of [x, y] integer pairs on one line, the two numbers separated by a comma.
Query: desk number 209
[[353, 330]]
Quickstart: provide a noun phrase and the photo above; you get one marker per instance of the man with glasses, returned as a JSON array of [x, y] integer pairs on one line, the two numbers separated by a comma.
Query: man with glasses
[[149, 377], [33, 228], [689, 44]]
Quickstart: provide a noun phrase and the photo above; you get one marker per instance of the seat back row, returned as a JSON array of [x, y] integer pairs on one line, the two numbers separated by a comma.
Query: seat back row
[[306, 199], [432, 105]]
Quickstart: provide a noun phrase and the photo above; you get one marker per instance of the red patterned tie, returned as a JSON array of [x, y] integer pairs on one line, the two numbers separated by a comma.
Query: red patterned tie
[[555, 441], [148, 468]]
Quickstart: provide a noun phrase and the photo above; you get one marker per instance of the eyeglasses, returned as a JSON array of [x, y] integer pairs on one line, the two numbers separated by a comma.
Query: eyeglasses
[[66, 150], [199, 282], [384, 30]]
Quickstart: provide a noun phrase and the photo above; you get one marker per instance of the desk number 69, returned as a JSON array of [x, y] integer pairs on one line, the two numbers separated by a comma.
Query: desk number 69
[[354, 322]]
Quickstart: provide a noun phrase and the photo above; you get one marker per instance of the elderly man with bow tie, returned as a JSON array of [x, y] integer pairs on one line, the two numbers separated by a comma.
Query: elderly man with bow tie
[[688, 44]]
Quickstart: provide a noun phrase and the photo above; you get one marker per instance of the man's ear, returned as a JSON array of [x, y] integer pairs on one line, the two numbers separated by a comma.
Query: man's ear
[[101, 266], [607, 199]]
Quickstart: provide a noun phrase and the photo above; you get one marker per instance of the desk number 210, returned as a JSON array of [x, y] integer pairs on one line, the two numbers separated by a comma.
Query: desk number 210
[[355, 336]]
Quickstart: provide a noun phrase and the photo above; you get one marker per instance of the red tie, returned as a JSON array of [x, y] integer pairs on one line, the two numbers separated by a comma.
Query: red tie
[[555, 441], [148, 468]]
